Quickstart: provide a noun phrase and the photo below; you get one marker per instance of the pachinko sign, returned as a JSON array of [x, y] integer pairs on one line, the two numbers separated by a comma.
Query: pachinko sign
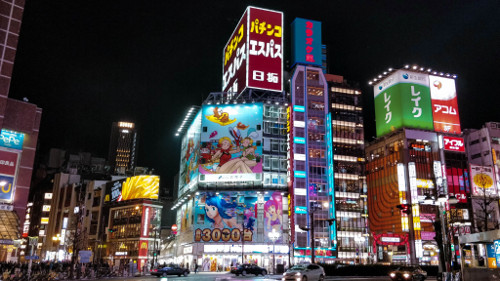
[[444, 104], [253, 56], [232, 216], [231, 143]]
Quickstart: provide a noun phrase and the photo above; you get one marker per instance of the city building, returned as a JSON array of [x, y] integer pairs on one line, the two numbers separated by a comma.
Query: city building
[[123, 143], [483, 148], [19, 124], [416, 169], [346, 109], [231, 201]]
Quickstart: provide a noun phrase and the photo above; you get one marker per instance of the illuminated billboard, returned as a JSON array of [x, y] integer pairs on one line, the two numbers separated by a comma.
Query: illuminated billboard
[[8, 162], [403, 100], [444, 104], [11, 139], [231, 216], [231, 143], [7, 188], [190, 151], [306, 42], [253, 56], [454, 144], [137, 187], [482, 181]]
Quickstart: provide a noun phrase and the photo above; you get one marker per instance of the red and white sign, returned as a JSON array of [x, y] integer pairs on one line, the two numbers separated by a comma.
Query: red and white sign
[[265, 50], [253, 56], [444, 105], [453, 144], [8, 162]]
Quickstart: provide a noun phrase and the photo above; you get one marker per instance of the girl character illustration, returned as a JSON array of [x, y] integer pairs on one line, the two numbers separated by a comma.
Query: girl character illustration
[[221, 213], [248, 156], [226, 164], [272, 214]]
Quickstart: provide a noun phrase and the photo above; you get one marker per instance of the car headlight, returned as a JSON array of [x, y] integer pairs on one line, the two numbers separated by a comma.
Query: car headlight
[[298, 274], [392, 274], [284, 273], [406, 275]]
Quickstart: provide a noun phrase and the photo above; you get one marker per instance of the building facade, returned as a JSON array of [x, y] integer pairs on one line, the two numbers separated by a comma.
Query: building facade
[[123, 143]]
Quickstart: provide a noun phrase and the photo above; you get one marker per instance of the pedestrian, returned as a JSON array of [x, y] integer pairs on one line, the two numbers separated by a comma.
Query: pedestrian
[[195, 268]]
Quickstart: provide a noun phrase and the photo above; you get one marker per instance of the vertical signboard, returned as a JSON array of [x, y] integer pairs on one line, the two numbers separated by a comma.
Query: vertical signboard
[[253, 56], [190, 150], [306, 42], [231, 143], [234, 58], [265, 54], [403, 100], [444, 104], [331, 185]]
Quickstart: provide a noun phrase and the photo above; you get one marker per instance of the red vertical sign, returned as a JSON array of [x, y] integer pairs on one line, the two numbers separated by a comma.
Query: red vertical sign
[[444, 105], [265, 49], [234, 58]]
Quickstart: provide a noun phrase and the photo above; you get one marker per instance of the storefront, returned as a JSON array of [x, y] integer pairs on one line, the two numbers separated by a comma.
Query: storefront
[[221, 257], [390, 248]]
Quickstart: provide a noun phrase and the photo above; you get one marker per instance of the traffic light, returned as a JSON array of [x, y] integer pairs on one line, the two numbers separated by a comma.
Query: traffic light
[[111, 230], [405, 208]]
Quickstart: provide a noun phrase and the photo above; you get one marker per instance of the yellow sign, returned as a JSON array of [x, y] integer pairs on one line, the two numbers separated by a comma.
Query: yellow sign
[[141, 187]]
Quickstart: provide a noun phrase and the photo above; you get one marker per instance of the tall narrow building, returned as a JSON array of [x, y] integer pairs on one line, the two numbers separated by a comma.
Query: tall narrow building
[[122, 147], [346, 109]]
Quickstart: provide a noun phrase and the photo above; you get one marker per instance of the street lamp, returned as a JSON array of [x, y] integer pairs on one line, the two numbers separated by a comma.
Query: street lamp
[[273, 235]]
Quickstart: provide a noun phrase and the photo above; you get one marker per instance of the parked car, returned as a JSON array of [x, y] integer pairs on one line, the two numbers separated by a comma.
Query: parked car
[[245, 269], [304, 272], [170, 270], [408, 273]]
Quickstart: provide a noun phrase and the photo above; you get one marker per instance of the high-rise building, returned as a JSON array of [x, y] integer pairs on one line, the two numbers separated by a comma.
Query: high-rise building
[[415, 166], [346, 109], [19, 124], [122, 154]]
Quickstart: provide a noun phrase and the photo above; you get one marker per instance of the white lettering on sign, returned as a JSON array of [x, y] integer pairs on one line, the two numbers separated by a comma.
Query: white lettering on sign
[[390, 239], [445, 109]]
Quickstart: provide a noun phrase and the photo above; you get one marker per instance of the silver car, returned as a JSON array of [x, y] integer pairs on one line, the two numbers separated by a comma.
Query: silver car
[[304, 272]]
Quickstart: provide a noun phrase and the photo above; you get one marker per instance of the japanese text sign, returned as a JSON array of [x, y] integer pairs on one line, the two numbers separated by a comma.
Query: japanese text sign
[[454, 144], [306, 42]]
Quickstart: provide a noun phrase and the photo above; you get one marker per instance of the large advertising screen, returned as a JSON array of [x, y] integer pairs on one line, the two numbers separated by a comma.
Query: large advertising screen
[[482, 181], [403, 100], [306, 42], [233, 216], [253, 56], [137, 187], [190, 151], [231, 143], [444, 104]]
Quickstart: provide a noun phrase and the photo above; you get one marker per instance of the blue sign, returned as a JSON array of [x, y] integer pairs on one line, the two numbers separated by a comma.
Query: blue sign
[[6, 188], [11, 139], [31, 257], [306, 42], [497, 251], [300, 210]]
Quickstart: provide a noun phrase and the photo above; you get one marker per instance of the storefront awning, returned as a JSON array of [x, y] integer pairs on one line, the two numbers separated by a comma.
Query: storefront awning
[[9, 226]]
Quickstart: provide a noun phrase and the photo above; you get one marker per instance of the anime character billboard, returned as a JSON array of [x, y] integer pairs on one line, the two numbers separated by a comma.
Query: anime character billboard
[[232, 216], [231, 142], [190, 149]]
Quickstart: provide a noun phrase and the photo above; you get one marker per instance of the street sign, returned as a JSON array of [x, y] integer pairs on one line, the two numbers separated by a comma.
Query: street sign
[[31, 257]]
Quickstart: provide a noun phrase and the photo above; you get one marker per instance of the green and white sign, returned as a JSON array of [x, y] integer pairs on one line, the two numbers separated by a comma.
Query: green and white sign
[[403, 100]]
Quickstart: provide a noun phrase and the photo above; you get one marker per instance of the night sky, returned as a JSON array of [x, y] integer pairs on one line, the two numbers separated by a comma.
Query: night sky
[[90, 63]]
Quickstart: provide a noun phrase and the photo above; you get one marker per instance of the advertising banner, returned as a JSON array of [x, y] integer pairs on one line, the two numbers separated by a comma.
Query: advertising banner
[[143, 248], [458, 183], [403, 100], [7, 188], [306, 42], [137, 187], [482, 181], [231, 143], [444, 105], [190, 151], [453, 143], [11, 139], [233, 216], [8, 162], [234, 58]]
